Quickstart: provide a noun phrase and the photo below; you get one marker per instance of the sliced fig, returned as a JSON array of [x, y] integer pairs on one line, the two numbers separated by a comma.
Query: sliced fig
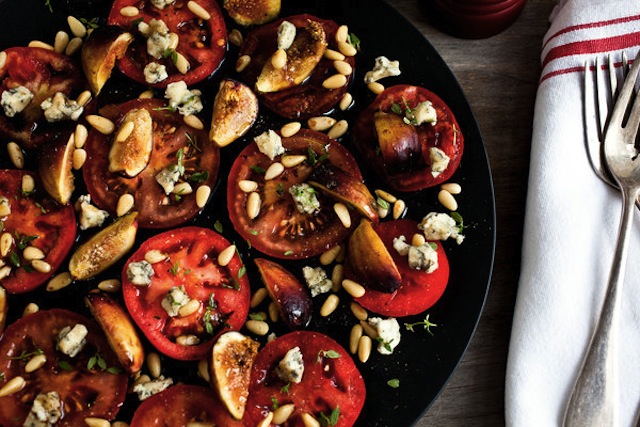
[[105, 248], [133, 143], [370, 261], [399, 142], [4, 309], [252, 12], [119, 330], [303, 56], [232, 357], [344, 187], [99, 54], [235, 109], [55, 165], [291, 297]]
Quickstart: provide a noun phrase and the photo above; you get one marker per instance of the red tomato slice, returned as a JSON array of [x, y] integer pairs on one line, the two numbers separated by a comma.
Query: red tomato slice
[[445, 135], [35, 220], [330, 381], [181, 404], [307, 99], [171, 137], [44, 73], [94, 392], [280, 230], [419, 290], [202, 43], [223, 292]]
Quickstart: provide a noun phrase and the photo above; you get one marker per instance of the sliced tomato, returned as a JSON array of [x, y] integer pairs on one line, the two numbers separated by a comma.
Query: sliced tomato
[[304, 100], [280, 230], [413, 172], [173, 143], [35, 220], [419, 290], [330, 384], [181, 405], [202, 42], [87, 388], [44, 73], [223, 292]]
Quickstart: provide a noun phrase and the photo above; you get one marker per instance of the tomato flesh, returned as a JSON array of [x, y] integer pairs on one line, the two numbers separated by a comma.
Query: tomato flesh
[[419, 290], [85, 392], [223, 292], [35, 220]]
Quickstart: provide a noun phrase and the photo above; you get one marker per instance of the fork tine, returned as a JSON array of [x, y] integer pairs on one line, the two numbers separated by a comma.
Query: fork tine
[[592, 128], [634, 119], [624, 96]]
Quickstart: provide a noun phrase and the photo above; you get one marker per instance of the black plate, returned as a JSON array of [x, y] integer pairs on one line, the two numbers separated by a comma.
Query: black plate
[[421, 362]]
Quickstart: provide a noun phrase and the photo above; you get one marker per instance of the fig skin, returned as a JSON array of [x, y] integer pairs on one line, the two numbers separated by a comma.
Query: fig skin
[[399, 143], [131, 155], [99, 54], [235, 109], [55, 167]]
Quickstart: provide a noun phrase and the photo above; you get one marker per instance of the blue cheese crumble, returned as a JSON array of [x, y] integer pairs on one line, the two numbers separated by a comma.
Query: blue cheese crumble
[[422, 257], [305, 198], [439, 161], [388, 331], [60, 107], [15, 100], [175, 299], [186, 101], [72, 340], [440, 226], [317, 280], [140, 273], [270, 144], [159, 39], [155, 73], [149, 388], [46, 410], [382, 68], [291, 367]]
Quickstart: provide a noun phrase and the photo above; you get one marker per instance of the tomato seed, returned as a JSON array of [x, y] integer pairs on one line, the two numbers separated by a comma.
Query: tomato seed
[[40, 44], [273, 171], [15, 154], [193, 121], [338, 130], [354, 338], [80, 135], [253, 205], [282, 414], [447, 200], [321, 123], [101, 124], [198, 10], [14, 385], [35, 363], [335, 82], [257, 327], [110, 285], [77, 28], [125, 204], [364, 348], [354, 289], [129, 11], [359, 311], [73, 46], [226, 255], [330, 305], [96, 422], [452, 187], [202, 195], [279, 59], [189, 308], [60, 42], [79, 157]]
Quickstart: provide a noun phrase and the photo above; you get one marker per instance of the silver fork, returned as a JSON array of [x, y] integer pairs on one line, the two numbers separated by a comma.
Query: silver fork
[[593, 400]]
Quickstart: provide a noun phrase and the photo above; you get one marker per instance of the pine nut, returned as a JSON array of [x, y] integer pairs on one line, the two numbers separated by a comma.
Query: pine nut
[[337, 275], [79, 157], [274, 315], [15, 154], [31, 308], [273, 171], [279, 59], [14, 385], [198, 10], [452, 187], [338, 130], [235, 37], [253, 205], [282, 414], [364, 348], [202, 195], [342, 34], [182, 189], [266, 421], [73, 46], [31, 253], [330, 305], [41, 266], [383, 212], [187, 340], [119, 424], [335, 82], [155, 256], [3, 59], [96, 422], [203, 370], [309, 420], [80, 135], [387, 197], [399, 208], [147, 94], [199, 424], [292, 160], [354, 289], [321, 123], [40, 44], [258, 297], [368, 330], [182, 63], [257, 327], [343, 67], [189, 308], [125, 204], [376, 87], [35, 363], [359, 311], [354, 338], [5, 271], [242, 63], [328, 256], [193, 121], [343, 214], [60, 42], [28, 184], [418, 240], [124, 131], [345, 101], [6, 243], [142, 379], [290, 129], [447, 200], [77, 28], [84, 98], [248, 186], [110, 285], [226, 255], [347, 49], [129, 11], [333, 55], [101, 124]]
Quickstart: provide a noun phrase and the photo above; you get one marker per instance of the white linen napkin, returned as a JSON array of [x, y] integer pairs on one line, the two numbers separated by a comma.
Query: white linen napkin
[[571, 225]]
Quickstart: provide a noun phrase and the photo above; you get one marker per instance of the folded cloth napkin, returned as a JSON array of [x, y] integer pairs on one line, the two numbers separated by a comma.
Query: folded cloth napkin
[[571, 225]]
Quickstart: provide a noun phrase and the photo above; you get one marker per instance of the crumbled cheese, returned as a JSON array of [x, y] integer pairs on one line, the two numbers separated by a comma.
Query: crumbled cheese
[[388, 331], [401, 246], [317, 280], [439, 160], [15, 100], [176, 298], [147, 389], [383, 68], [186, 101], [270, 144], [305, 197], [159, 38], [5, 206], [155, 73], [46, 410], [140, 273], [161, 4], [72, 340], [60, 107], [424, 113], [286, 35], [440, 226], [291, 367], [422, 257], [168, 177], [90, 216]]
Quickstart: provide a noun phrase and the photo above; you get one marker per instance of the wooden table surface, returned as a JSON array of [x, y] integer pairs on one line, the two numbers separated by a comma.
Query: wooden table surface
[[499, 75]]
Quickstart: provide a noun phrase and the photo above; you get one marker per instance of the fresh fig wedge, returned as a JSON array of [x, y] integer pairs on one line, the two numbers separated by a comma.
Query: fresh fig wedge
[[252, 12], [235, 109], [132, 144], [99, 54], [55, 165], [119, 330], [4, 309], [399, 143], [291, 297], [303, 55], [231, 360], [339, 185], [370, 261]]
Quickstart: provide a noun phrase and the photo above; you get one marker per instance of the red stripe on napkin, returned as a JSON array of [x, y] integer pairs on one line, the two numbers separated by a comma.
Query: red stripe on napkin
[[608, 44], [597, 24]]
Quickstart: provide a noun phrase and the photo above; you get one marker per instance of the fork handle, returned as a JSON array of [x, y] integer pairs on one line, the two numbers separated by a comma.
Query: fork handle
[[593, 400]]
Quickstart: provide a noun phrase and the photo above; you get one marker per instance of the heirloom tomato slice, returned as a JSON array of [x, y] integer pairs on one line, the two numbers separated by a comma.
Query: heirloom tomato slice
[[419, 290], [86, 388], [203, 43], [406, 161], [331, 385], [35, 220], [175, 144], [280, 229], [191, 264]]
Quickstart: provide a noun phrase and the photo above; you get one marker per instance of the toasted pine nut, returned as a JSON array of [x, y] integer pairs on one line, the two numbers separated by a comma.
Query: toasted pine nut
[[226, 255], [15, 154], [292, 160], [31, 252], [342, 34], [447, 200], [258, 297], [155, 256], [182, 63], [14, 385], [124, 131], [30, 309], [347, 49], [40, 44], [383, 212], [41, 266], [321, 123], [329, 305], [198, 10], [73, 46], [125, 204], [266, 421], [418, 240], [338, 130], [452, 187], [84, 98], [202, 195], [147, 94], [6, 243], [3, 59], [335, 82], [199, 424], [203, 370], [343, 67], [282, 414], [96, 422], [248, 186], [235, 37], [369, 330], [364, 348], [354, 338], [80, 135], [343, 214], [354, 289], [119, 424], [333, 55], [35, 363], [101, 124], [329, 255], [129, 11], [189, 308], [110, 285], [77, 28], [279, 59], [337, 275], [79, 157], [61, 41], [182, 189], [376, 87], [273, 171], [359, 311], [345, 101], [399, 207], [28, 184], [153, 364], [273, 312], [253, 205], [290, 129], [144, 378], [193, 121], [257, 327], [5, 271], [309, 420], [242, 63], [387, 197]]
